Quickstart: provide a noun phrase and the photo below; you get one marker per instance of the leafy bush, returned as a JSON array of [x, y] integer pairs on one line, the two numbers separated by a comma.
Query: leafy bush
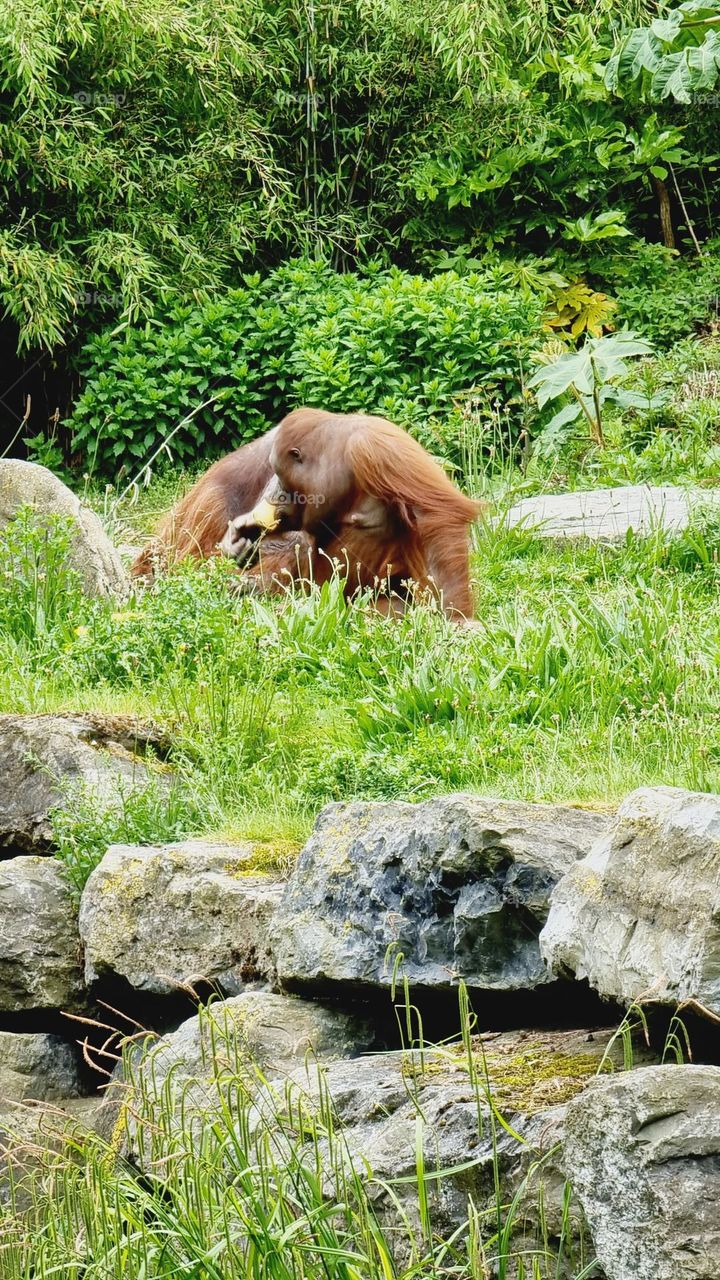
[[664, 298], [667, 430], [588, 377], [385, 342]]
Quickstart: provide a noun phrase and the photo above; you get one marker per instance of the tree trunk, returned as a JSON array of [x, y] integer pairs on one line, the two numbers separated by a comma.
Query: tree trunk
[[666, 227]]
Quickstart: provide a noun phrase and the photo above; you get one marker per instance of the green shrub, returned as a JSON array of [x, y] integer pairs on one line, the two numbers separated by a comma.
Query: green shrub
[[41, 596], [385, 342], [665, 298]]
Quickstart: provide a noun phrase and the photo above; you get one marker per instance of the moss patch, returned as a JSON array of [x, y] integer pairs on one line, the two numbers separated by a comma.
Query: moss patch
[[268, 858], [535, 1079], [524, 1073]]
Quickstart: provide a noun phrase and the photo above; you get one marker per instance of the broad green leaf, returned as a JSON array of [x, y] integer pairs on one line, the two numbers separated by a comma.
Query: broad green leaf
[[598, 362], [570, 413], [704, 62], [638, 400], [699, 9], [642, 51], [667, 29], [674, 78], [553, 380]]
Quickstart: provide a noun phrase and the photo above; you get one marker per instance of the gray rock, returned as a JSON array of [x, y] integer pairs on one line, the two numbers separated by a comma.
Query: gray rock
[[638, 916], [381, 1102], [643, 1153], [203, 1073], [273, 1031], [608, 513], [92, 554], [44, 758], [167, 917], [459, 885], [249, 1037], [37, 1067], [33, 1142], [39, 942]]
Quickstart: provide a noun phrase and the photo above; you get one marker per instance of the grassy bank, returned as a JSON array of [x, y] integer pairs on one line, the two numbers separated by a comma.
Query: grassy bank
[[591, 671]]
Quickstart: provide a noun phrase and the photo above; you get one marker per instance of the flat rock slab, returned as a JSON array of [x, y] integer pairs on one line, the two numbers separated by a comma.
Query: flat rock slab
[[167, 917], [43, 757], [91, 553], [302, 1053], [638, 917], [39, 942], [378, 1098], [609, 513], [458, 886], [643, 1153]]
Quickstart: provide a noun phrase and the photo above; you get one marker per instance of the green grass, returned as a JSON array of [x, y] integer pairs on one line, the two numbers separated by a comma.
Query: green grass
[[241, 1179], [591, 671]]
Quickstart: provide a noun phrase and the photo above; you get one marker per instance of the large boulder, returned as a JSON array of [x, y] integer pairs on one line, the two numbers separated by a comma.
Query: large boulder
[[251, 1037], [39, 943], [638, 916], [459, 885], [44, 757], [643, 1153], [91, 554], [167, 917], [37, 1067]]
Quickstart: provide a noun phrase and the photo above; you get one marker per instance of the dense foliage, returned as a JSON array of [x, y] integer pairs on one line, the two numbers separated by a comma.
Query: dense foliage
[[151, 152], [417, 349], [677, 55], [442, 211], [384, 342]]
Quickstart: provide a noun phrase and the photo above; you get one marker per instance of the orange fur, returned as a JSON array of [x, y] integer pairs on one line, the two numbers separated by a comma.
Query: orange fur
[[194, 527], [425, 534], [366, 496]]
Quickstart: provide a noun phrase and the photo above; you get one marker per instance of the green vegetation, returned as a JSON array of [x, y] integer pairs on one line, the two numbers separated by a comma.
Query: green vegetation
[[244, 1180], [155, 161], [676, 56], [589, 376], [386, 342]]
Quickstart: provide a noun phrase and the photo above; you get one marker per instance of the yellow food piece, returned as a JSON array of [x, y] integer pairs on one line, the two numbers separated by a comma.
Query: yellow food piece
[[265, 514]]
